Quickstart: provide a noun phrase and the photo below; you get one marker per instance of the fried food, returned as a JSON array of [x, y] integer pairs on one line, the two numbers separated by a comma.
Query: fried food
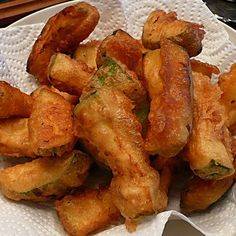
[[14, 103], [209, 152], [51, 124], [204, 68], [44, 178], [227, 83], [120, 46], [167, 74], [199, 194], [62, 33], [68, 75], [87, 212], [14, 137], [112, 74], [105, 120], [161, 25], [88, 53]]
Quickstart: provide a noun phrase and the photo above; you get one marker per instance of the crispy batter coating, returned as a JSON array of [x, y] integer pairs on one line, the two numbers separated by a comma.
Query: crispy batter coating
[[68, 75], [88, 53], [112, 74], [161, 25], [62, 33], [105, 120], [14, 103], [51, 124], [204, 68], [170, 114], [227, 83], [199, 194], [87, 212], [209, 152], [44, 178], [123, 48], [14, 137]]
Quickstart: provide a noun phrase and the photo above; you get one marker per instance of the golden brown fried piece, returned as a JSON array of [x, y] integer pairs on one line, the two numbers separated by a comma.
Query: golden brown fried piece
[[87, 212], [14, 137], [51, 124], [62, 33], [199, 194], [14, 103], [161, 25], [204, 68], [68, 75], [227, 83], [167, 74], [105, 121], [123, 48], [88, 53], [44, 178], [209, 152]]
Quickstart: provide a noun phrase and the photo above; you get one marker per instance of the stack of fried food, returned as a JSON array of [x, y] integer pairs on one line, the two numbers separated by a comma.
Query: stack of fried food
[[140, 108]]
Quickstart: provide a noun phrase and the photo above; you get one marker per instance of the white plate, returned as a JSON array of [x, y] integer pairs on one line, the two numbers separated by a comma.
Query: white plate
[[173, 227]]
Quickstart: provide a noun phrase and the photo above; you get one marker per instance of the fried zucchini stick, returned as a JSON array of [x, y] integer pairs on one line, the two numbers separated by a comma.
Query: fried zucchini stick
[[87, 212], [167, 74], [62, 33], [51, 124], [44, 178], [199, 194], [120, 46], [209, 152], [105, 120], [14, 103], [68, 75], [227, 83], [161, 25]]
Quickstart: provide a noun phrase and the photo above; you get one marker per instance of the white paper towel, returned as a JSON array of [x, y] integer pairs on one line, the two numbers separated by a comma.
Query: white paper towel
[[15, 45]]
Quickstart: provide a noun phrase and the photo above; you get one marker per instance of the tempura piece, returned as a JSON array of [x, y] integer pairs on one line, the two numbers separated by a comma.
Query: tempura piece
[[161, 25], [167, 74], [112, 74], [51, 124], [87, 212], [62, 33], [105, 120], [120, 46], [14, 103], [88, 53], [209, 152], [44, 178], [68, 75], [199, 194], [227, 83], [14, 137], [204, 68]]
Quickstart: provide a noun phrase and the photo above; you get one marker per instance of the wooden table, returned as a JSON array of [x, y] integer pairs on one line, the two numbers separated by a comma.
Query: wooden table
[[13, 10]]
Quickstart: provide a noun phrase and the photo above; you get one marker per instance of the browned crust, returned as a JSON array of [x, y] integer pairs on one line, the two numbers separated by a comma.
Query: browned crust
[[14, 103], [170, 114], [62, 33]]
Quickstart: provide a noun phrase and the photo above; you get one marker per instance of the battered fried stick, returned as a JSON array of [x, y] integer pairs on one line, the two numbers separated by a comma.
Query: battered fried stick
[[51, 124], [105, 120], [209, 152], [87, 212], [14, 103], [227, 83], [199, 194], [44, 178], [62, 33], [123, 48], [68, 75], [161, 25], [167, 74]]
